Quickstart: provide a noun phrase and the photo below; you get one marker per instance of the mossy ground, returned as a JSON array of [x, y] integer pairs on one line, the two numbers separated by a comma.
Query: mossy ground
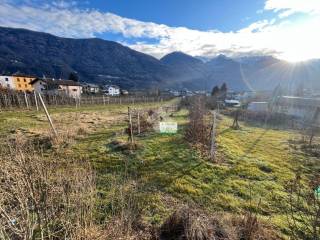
[[166, 172]]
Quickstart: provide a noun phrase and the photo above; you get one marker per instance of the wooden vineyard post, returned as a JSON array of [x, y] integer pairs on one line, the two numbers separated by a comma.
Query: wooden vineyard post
[[104, 101], [235, 124], [5, 101], [139, 123], [130, 126], [26, 100], [213, 138], [36, 101], [76, 103], [48, 116]]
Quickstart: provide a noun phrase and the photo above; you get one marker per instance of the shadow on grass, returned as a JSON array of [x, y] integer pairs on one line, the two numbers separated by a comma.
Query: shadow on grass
[[253, 145]]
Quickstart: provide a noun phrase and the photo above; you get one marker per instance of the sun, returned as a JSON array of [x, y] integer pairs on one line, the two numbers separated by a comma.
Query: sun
[[295, 57], [299, 40]]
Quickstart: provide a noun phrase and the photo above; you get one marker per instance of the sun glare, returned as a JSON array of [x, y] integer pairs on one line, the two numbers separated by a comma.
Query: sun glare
[[295, 57], [300, 42]]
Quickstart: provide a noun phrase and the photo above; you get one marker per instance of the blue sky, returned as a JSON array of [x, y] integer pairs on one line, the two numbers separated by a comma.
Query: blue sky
[[225, 15], [287, 29]]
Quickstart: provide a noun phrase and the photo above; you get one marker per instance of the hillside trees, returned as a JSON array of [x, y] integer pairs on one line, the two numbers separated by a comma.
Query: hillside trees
[[74, 76]]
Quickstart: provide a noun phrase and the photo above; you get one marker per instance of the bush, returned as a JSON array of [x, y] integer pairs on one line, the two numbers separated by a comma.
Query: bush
[[42, 197], [192, 224]]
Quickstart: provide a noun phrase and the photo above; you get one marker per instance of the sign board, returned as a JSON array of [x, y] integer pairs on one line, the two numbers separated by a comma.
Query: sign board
[[317, 192], [168, 127]]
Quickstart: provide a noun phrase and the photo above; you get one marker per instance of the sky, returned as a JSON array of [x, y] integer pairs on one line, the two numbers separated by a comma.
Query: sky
[[286, 29]]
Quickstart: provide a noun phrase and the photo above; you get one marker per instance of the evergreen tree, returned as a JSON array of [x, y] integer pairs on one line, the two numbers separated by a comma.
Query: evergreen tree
[[215, 91], [223, 91], [74, 76]]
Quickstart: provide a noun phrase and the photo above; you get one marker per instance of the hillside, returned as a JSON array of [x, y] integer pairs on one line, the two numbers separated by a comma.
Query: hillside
[[95, 60], [246, 73], [101, 61]]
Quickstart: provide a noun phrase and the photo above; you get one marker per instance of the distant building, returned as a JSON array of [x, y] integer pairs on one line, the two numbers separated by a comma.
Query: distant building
[[57, 87], [258, 106], [174, 93], [232, 103], [299, 107], [89, 88], [22, 82], [112, 90], [124, 92], [7, 82], [186, 93], [302, 107]]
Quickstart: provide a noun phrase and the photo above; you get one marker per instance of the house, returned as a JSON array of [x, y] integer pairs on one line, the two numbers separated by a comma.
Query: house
[[57, 87], [174, 93], [302, 107], [89, 88], [124, 92], [299, 107], [258, 106], [232, 103], [112, 90], [7, 82], [22, 82]]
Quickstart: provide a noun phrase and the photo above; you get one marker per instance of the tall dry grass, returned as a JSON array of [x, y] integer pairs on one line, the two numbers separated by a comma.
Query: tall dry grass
[[44, 197]]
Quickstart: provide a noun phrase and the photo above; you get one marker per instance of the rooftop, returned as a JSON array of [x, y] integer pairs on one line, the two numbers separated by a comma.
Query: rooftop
[[56, 82]]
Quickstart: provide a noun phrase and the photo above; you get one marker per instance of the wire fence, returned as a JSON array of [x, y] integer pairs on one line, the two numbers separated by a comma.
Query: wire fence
[[22, 100]]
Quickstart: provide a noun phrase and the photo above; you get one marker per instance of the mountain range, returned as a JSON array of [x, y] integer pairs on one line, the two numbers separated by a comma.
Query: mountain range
[[103, 62]]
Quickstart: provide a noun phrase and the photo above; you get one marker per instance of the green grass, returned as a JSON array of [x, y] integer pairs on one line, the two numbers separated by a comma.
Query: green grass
[[257, 165], [165, 172]]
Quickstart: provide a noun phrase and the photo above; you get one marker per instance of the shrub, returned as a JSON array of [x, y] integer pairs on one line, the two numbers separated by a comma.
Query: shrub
[[42, 197]]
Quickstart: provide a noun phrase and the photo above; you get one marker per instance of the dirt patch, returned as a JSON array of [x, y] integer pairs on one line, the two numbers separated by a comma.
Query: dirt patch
[[75, 123]]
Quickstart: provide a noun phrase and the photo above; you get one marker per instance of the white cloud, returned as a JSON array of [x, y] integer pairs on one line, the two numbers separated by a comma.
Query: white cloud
[[288, 7], [285, 39]]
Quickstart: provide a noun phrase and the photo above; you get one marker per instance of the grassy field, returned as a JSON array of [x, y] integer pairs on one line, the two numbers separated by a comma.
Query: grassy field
[[165, 172]]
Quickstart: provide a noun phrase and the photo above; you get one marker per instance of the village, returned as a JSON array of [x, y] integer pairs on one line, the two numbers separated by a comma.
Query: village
[[71, 88], [303, 105]]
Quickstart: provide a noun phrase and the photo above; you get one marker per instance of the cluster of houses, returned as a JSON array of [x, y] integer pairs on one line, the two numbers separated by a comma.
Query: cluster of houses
[[301, 107], [26, 83]]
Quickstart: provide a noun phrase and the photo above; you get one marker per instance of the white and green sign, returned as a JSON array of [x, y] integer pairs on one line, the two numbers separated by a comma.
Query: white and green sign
[[168, 127]]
